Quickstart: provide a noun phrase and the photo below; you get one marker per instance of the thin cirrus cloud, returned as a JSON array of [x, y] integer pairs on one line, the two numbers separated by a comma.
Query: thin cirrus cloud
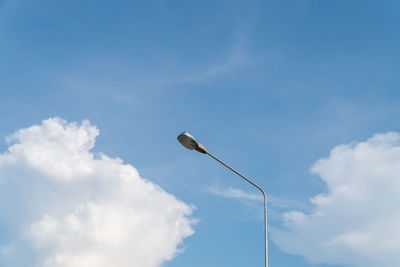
[[230, 192], [273, 201], [236, 58], [356, 221], [63, 206]]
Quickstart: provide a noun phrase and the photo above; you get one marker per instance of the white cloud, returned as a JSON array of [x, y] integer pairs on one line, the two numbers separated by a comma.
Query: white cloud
[[63, 206], [356, 221]]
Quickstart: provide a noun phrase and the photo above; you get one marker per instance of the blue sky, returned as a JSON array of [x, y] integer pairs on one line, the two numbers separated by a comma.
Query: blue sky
[[270, 87]]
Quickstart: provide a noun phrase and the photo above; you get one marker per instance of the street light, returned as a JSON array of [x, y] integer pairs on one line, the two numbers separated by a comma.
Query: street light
[[188, 141]]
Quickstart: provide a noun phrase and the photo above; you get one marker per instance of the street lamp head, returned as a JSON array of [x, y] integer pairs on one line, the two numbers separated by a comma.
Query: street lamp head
[[188, 141]]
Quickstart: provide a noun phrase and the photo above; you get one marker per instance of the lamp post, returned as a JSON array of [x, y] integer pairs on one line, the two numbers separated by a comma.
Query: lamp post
[[188, 141]]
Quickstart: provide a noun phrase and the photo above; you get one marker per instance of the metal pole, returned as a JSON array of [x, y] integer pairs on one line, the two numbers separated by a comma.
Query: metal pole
[[265, 202]]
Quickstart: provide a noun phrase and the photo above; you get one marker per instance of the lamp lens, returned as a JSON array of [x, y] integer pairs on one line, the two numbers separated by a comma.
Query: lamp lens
[[187, 140]]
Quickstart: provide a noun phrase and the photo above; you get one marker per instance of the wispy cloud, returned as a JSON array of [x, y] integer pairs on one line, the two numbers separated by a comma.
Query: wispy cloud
[[230, 192], [235, 59], [286, 203], [273, 201]]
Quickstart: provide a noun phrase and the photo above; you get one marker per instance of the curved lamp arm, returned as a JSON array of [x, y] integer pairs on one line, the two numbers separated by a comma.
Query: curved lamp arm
[[265, 201], [188, 141]]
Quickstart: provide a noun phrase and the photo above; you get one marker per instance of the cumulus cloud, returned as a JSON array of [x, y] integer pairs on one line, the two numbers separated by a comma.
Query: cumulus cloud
[[356, 221], [61, 205]]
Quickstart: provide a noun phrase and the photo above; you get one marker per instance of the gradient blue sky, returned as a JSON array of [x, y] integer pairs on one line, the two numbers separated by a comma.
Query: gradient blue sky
[[268, 86]]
